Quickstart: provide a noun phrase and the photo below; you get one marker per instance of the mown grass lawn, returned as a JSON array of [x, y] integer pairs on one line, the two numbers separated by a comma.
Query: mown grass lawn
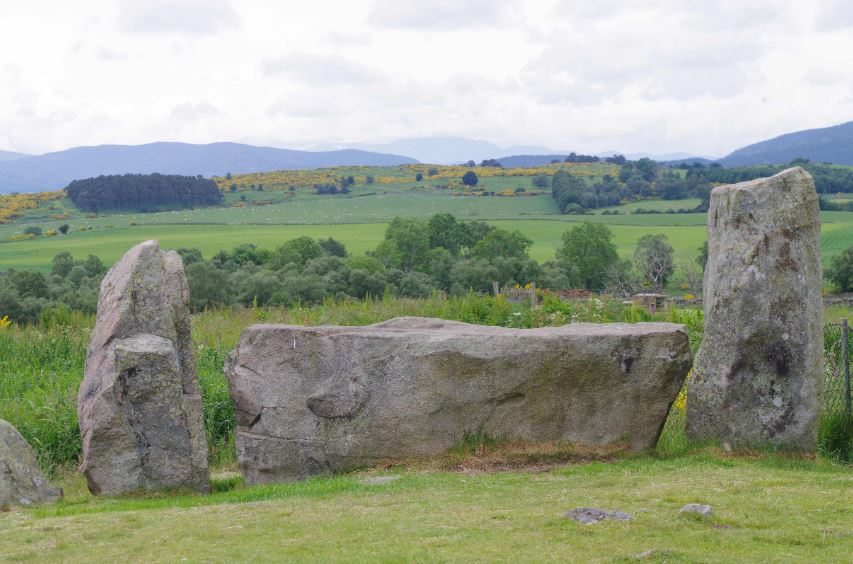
[[766, 509]]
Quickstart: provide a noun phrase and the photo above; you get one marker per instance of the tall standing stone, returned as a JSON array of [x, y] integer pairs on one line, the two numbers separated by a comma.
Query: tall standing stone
[[758, 375], [21, 481], [140, 406]]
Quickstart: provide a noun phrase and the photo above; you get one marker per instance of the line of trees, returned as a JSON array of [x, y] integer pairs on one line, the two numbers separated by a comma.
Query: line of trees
[[416, 258], [636, 180], [646, 179], [143, 192], [828, 179]]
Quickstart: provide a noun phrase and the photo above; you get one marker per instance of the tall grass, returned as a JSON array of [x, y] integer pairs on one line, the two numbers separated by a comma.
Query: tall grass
[[41, 366]]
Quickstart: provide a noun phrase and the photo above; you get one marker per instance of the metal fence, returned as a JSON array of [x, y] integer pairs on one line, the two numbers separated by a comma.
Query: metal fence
[[836, 384], [835, 436]]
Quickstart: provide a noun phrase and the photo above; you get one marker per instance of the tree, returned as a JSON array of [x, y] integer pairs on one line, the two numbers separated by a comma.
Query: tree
[[702, 259], [189, 256], [621, 279], [432, 171], [33, 230], [567, 189], [541, 181], [446, 232], [64, 228], [840, 271], [691, 270], [406, 244], [470, 178], [588, 250], [502, 243], [419, 176], [94, 266], [653, 258], [297, 251], [62, 264], [333, 247], [30, 283], [208, 285]]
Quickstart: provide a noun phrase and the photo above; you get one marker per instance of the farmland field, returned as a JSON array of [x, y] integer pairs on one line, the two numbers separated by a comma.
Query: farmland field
[[111, 236], [286, 209]]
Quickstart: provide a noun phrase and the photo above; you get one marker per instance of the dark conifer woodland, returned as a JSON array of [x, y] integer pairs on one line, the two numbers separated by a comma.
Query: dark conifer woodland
[[143, 192]]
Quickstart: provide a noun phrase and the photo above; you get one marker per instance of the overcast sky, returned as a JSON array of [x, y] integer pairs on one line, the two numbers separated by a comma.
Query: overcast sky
[[704, 77]]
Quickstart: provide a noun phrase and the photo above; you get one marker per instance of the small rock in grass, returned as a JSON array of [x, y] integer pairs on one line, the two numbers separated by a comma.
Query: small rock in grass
[[590, 515], [697, 508], [618, 516], [376, 480]]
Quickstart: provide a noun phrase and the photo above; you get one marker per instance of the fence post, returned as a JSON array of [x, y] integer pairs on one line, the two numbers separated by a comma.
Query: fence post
[[495, 289], [533, 301], [845, 355]]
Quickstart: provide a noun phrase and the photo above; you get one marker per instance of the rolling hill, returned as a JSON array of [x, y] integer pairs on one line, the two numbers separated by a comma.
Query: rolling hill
[[11, 156], [444, 150], [53, 171], [828, 144]]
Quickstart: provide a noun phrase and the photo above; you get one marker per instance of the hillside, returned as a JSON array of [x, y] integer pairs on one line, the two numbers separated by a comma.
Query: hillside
[[525, 161], [53, 171], [829, 144], [11, 156], [446, 150]]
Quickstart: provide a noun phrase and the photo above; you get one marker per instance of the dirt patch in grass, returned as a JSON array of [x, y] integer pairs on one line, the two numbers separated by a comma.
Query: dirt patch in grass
[[487, 457]]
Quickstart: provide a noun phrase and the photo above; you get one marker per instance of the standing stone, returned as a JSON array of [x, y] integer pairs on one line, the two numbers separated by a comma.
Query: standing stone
[[314, 400], [140, 406], [758, 375], [21, 481]]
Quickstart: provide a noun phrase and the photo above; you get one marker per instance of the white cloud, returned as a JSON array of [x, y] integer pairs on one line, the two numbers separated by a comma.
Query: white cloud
[[834, 15], [191, 112], [439, 14], [702, 77], [191, 16], [321, 70]]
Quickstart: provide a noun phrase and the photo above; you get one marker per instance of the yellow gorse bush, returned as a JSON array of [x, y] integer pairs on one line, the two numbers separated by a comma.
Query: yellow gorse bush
[[13, 206], [5, 322], [285, 179]]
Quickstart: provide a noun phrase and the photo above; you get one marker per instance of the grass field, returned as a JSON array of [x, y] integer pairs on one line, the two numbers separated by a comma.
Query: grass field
[[109, 243], [766, 509], [358, 219], [479, 502]]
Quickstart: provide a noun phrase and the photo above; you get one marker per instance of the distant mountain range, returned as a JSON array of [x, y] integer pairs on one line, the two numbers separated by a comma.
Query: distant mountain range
[[10, 156], [53, 171], [828, 144], [442, 150]]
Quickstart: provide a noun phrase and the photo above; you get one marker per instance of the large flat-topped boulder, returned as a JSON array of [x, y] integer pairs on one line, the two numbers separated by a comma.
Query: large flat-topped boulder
[[758, 374], [312, 400], [140, 405], [21, 481]]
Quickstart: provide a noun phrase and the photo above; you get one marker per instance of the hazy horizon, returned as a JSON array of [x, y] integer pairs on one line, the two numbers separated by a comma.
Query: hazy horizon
[[618, 76]]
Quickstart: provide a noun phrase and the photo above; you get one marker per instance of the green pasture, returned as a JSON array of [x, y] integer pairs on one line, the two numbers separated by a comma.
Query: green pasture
[[766, 509], [358, 219], [109, 243], [658, 205]]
